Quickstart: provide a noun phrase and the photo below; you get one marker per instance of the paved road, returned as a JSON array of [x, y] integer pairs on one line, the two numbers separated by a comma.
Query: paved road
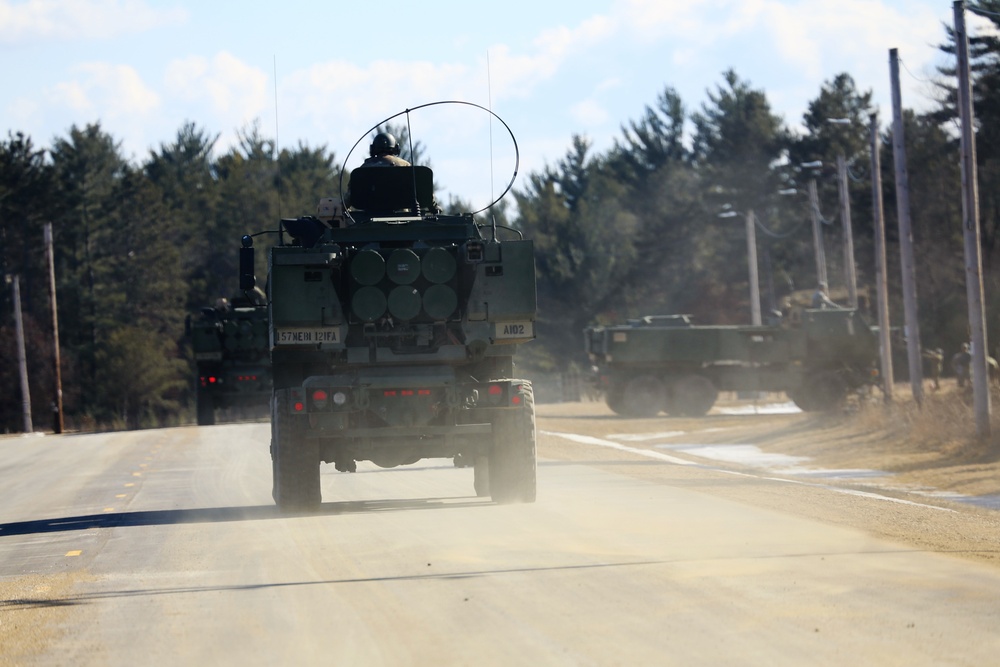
[[162, 547]]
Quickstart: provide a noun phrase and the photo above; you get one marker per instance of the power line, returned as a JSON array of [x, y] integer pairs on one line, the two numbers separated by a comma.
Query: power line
[[912, 75], [774, 235], [854, 177], [982, 12]]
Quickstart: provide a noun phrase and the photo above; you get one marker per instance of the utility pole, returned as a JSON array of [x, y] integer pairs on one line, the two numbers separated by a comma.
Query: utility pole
[[752, 262], [50, 255], [817, 234], [772, 304], [22, 362], [850, 274], [970, 228], [905, 235], [885, 340]]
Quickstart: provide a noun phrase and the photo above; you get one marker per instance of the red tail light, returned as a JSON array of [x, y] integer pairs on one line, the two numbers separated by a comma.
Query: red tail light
[[406, 392], [319, 398]]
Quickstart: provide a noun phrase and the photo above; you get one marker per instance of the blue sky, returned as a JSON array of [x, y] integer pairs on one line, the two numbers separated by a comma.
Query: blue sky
[[322, 73]]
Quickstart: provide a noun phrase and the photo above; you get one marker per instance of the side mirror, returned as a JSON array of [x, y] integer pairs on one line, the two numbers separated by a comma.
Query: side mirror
[[247, 279]]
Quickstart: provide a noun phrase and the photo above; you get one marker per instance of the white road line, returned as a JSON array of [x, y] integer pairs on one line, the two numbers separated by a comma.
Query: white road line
[[590, 440]]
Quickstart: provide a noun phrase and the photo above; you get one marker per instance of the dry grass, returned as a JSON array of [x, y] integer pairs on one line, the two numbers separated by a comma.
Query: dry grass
[[934, 445]]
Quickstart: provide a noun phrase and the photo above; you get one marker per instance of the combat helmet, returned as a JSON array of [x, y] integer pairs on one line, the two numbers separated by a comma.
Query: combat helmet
[[383, 144]]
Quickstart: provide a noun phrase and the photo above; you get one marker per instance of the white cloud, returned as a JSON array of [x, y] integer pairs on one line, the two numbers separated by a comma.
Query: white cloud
[[774, 43], [233, 89], [71, 95], [23, 22], [517, 75], [589, 113], [104, 89], [343, 99], [810, 36], [650, 20]]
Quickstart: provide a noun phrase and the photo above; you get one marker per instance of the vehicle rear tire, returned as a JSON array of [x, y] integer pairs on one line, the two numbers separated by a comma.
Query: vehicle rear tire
[[294, 459], [693, 396], [644, 396], [512, 467], [481, 476], [206, 411]]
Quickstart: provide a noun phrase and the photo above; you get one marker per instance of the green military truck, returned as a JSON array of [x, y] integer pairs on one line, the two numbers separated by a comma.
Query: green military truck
[[393, 329], [232, 356], [668, 364]]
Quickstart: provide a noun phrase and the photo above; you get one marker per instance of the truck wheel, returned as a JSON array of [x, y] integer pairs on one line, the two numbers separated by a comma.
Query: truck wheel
[[800, 397], [693, 396], [294, 460], [206, 411], [481, 476], [822, 392], [512, 471], [644, 396], [613, 397]]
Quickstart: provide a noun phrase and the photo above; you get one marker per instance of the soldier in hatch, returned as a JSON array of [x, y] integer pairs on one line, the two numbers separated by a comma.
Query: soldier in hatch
[[821, 299], [384, 152]]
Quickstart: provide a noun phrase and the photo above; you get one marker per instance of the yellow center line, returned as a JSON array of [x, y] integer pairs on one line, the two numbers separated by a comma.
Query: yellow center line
[[73, 553], [130, 484]]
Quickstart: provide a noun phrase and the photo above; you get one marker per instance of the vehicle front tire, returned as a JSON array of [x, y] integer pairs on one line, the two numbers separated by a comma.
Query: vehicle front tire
[[644, 396], [822, 392], [613, 399]]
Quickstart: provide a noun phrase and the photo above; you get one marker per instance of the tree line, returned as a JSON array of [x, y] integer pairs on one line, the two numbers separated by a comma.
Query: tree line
[[630, 231]]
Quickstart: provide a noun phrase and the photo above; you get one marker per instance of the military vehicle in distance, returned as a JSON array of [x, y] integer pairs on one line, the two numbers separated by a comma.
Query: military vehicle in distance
[[667, 364], [232, 355], [393, 329]]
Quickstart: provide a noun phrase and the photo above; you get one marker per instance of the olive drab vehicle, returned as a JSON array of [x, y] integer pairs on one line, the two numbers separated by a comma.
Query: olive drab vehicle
[[231, 352], [393, 328], [667, 364]]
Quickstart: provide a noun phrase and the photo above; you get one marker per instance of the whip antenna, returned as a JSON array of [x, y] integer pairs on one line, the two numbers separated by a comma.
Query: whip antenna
[[277, 143], [489, 102]]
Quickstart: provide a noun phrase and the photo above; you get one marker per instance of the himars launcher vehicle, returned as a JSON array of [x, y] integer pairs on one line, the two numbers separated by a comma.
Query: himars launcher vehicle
[[230, 347], [393, 329], [667, 364]]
